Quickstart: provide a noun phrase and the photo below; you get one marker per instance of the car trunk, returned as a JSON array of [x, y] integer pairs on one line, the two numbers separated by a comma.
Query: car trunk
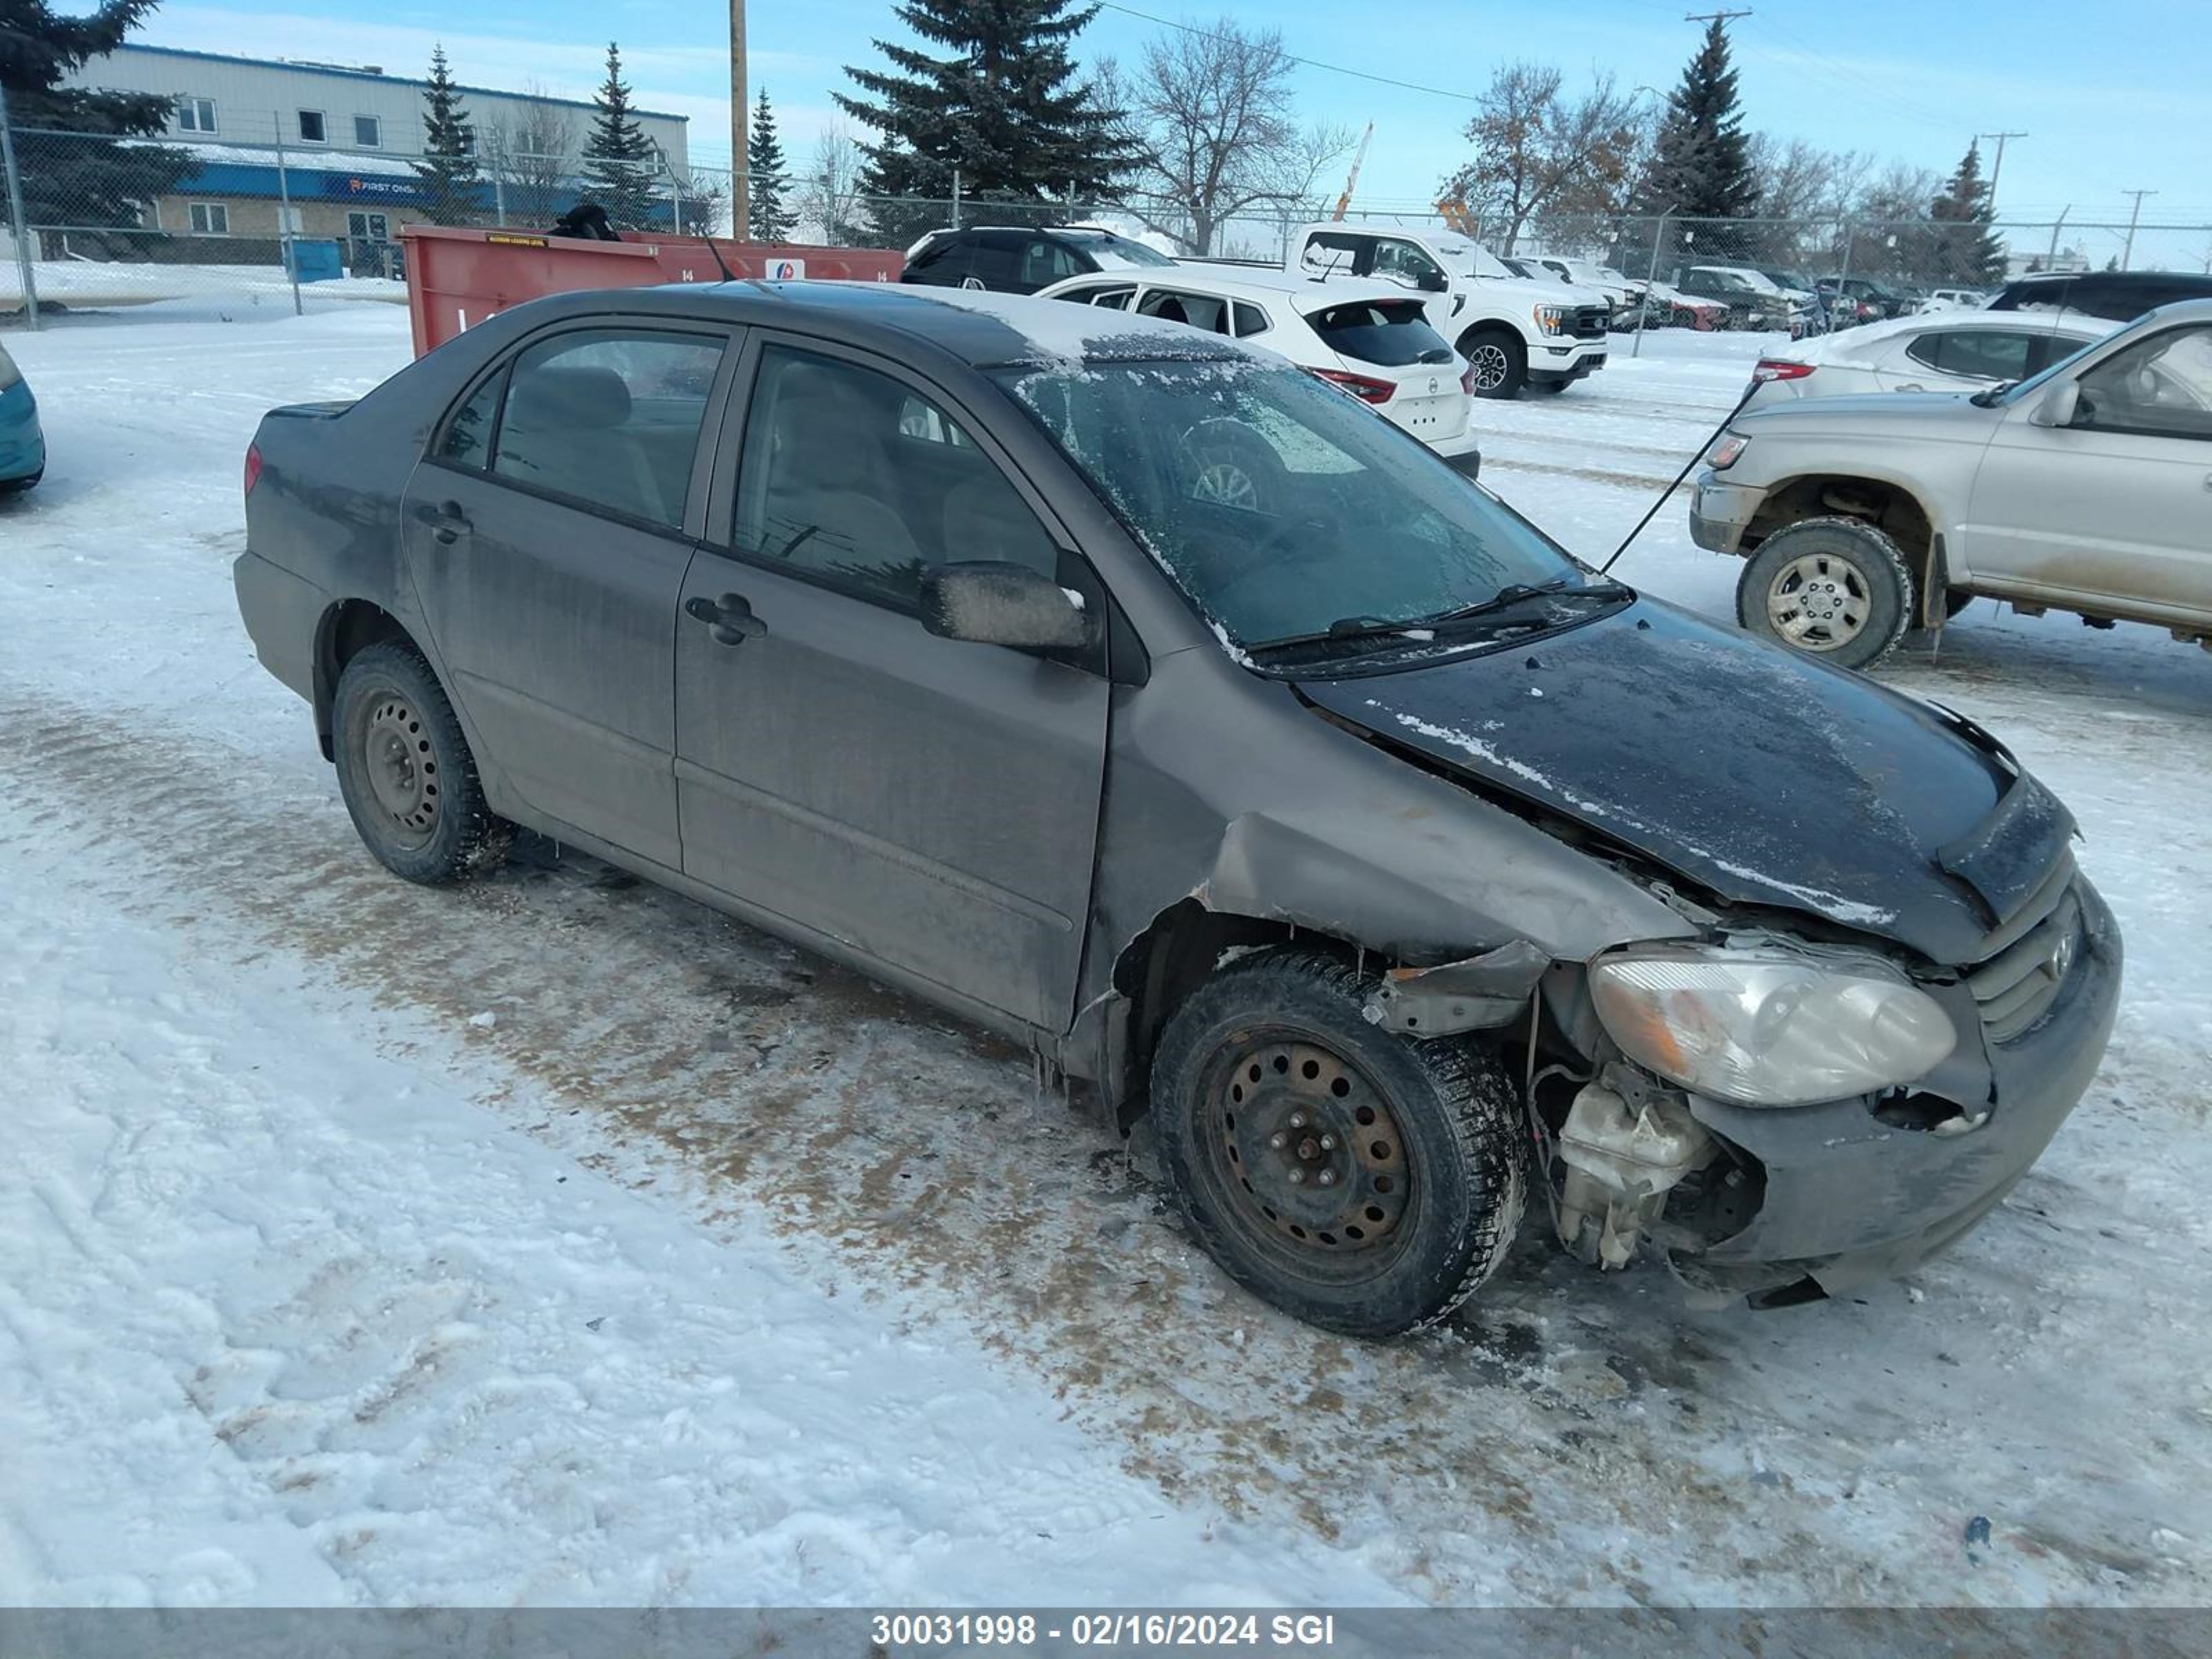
[[1388, 342]]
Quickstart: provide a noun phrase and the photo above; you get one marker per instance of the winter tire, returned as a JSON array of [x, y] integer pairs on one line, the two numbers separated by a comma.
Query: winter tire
[[1358, 1180], [406, 770], [1496, 361], [1834, 588]]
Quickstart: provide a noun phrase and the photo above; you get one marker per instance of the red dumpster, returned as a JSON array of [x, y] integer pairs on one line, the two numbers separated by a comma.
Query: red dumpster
[[456, 278]]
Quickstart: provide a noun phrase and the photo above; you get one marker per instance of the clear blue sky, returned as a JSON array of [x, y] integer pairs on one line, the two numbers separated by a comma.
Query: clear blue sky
[[2114, 97]]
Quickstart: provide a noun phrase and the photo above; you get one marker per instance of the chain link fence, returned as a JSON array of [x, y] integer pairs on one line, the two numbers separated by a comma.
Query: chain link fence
[[183, 227]]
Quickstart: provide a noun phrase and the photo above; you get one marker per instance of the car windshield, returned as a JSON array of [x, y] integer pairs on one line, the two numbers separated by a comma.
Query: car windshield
[[1281, 506], [2020, 389], [1121, 249], [1471, 259]]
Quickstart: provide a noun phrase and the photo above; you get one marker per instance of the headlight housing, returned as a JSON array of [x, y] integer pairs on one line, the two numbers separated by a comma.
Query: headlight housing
[[1767, 1025], [1552, 319]]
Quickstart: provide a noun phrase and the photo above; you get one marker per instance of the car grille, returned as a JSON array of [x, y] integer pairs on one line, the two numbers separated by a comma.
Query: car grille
[[1588, 322], [2025, 962]]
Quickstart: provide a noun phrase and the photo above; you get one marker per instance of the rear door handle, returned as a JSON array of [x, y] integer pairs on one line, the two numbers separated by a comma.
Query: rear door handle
[[730, 619], [448, 523]]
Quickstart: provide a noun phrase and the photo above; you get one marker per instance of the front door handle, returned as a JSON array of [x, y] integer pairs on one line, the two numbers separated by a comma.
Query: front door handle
[[730, 619], [448, 523]]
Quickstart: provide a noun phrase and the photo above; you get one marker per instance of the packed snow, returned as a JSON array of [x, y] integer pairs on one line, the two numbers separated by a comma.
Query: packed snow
[[556, 1240]]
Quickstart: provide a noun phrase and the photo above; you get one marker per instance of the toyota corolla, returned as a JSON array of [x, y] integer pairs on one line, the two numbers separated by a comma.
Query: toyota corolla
[[1394, 864]]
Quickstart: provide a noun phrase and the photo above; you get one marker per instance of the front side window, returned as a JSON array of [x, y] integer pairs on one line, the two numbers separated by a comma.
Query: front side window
[[854, 480], [368, 131], [1279, 504], [312, 128], [2160, 386], [1407, 263], [609, 417], [1980, 354]]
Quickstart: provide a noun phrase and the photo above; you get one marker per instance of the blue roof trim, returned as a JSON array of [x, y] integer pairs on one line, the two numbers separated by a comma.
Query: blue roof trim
[[363, 74]]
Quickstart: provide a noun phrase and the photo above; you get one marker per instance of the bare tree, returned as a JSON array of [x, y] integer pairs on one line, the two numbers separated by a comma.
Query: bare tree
[[1208, 115], [1539, 153], [829, 194], [533, 156]]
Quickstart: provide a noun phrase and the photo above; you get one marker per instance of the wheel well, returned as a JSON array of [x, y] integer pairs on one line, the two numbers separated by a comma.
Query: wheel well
[[1889, 508], [1505, 331], [347, 628], [1159, 969]]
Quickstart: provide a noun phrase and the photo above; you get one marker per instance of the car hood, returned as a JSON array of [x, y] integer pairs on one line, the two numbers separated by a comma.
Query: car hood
[[1901, 417], [1544, 291], [1759, 774]]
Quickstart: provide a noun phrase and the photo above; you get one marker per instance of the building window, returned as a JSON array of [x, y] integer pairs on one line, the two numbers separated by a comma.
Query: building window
[[195, 115], [312, 131], [369, 227], [368, 131], [210, 218], [291, 222]]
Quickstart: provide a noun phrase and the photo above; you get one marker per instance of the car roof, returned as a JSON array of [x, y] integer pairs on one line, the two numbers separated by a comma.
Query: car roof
[[976, 326], [1256, 281]]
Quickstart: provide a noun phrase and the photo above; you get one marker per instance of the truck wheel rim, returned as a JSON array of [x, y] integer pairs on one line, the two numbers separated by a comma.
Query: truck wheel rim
[[1818, 602], [1490, 364], [401, 768], [1308, 1153]]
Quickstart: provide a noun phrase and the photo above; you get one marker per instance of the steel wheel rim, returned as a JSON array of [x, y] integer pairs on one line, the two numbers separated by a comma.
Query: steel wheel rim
[[1819, 602], [1490, 364], [1309, 1158], [401, 768], [1225, 483]]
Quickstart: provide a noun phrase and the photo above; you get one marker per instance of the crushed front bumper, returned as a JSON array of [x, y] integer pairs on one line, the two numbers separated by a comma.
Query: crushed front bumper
[[1720, 513], [1848, 1200]]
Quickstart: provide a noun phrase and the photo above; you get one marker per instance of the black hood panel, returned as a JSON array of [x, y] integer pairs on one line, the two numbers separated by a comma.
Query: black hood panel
[[1764, 776]]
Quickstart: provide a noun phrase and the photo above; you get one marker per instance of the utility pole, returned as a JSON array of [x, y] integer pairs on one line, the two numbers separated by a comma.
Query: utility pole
[[2134, 214], [740, 192], [1997, 167], [1716, 16]]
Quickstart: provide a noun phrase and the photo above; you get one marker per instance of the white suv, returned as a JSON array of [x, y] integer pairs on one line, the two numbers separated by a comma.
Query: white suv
[[1370, 338]]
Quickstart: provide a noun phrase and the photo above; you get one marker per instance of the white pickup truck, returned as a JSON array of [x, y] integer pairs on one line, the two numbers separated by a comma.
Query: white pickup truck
[[1513, 331]]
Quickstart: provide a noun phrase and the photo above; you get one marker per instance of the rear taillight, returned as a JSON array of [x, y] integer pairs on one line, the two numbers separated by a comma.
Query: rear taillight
[[1781, 369], [1466, 380], [253, 467], [1365, 387]]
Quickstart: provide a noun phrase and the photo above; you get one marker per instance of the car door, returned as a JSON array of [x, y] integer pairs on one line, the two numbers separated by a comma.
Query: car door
[[930, 803], [2116, 505], [546, 534]]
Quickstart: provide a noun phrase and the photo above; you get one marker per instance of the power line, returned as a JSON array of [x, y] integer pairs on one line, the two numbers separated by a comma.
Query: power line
[[1308, 63]]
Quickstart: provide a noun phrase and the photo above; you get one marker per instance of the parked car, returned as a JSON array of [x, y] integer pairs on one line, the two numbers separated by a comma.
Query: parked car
[[1514, 331], [1753, 301], [1875, 301], [1954, 299], [2079, 488], [1012, 259], [1664, 305], [1579, 273], [2118, 295], [1390, 860], [1371, 339], [22, 444], [1961, 351]]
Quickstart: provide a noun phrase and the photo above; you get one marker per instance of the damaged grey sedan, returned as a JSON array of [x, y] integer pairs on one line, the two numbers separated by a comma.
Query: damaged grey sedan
[[1132, 693]]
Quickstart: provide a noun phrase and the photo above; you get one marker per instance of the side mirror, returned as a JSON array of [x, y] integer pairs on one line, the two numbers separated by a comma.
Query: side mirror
[[2057, 407], [1433, 282], [989, 602]]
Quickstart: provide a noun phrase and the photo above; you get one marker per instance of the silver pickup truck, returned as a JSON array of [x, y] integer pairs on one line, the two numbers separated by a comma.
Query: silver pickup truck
[[2088, 488]]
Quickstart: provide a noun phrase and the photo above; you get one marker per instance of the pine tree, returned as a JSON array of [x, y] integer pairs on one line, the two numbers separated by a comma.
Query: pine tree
[[1700, 166], [1964, 248], [618, 158], [1002, 107], [769, 218], [448, 168], [86, 177]]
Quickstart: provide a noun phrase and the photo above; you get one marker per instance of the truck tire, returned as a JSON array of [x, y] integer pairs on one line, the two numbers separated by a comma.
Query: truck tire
[[1358, 1180], [404, 769], [1498, 358], [1835, 588]]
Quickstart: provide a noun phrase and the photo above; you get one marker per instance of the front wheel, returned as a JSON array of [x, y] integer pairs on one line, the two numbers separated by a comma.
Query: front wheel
[[1358, 1180], [404, 769], [1496, 361], [1834, 588], [1552, 385]]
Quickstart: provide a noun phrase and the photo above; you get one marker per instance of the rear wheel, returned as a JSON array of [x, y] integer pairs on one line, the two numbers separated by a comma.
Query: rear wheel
[[1358, 1180], [1834, 588], [404, 769], [1496, 361]]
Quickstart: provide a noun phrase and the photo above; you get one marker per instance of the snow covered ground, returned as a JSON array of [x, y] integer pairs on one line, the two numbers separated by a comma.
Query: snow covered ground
[[555, 1240]]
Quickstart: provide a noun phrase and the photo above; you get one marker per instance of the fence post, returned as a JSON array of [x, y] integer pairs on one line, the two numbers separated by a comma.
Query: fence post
[[16, 220], [286, 250], [1651, 281], [956, 199], [498, 180], [1844, 275]]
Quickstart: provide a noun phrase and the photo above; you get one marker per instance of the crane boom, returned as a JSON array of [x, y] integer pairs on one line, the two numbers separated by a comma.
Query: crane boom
[[1351, 178]]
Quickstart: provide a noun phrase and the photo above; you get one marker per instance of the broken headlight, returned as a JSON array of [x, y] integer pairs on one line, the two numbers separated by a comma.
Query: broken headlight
[[1768, 1026]]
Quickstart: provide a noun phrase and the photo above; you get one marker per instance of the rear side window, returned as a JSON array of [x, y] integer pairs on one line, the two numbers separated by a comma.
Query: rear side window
[[1982, 354], [1198, 310], [467, 440], [1044, 261], [995, 259], [1391, 334], [932, 255], [610, 418], [1334, 253], [1250, 319]]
